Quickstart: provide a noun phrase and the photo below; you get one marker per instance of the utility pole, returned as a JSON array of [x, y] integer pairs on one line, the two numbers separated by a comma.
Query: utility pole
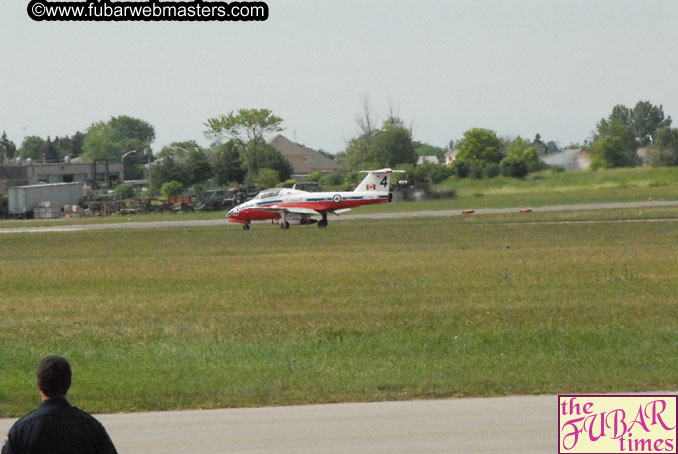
[[150, 153]]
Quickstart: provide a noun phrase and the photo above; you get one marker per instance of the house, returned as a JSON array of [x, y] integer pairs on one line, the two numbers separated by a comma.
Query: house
[[23, 172], [304, 160], [427, 159], [451, 156]]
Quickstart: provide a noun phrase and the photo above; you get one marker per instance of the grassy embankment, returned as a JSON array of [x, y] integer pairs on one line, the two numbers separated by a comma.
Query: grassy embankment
[[365, 310], [540, 189]]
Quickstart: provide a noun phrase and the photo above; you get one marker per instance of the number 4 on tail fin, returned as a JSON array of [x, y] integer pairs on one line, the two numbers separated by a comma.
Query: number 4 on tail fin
[[376, 180]]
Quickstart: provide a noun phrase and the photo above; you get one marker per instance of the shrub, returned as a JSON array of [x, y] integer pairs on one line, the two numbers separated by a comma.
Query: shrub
[[124, 191], [431, 173], [461, 168], [172, 189], [492, 170], [267, 178], [513, 167], [662, 157], [331, 179], [476, 171], [314, 176]]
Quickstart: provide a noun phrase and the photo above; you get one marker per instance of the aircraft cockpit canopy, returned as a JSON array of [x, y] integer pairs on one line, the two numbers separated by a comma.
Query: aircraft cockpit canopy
[[267, 193]]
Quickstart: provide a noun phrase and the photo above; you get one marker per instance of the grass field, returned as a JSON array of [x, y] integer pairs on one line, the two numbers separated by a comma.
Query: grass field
[[361, 311]]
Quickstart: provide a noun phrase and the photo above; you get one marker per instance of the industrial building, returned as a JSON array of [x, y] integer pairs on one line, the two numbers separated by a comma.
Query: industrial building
[[24, 172]]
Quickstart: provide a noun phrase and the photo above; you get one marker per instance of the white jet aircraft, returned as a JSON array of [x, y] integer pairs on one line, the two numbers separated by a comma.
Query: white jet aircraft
[[296, 207]]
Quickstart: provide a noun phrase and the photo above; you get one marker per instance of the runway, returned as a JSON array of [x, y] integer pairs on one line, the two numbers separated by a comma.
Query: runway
[[441, 213], [525, 424]]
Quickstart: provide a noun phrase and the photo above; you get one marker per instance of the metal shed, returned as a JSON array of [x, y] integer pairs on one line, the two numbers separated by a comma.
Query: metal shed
[[24, 199]]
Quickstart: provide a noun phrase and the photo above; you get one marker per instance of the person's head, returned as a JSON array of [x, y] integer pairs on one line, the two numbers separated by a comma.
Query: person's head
[[54, 376]]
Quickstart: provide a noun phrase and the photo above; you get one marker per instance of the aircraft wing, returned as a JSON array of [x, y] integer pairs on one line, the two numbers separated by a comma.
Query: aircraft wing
[[295, 210], [343, 210]]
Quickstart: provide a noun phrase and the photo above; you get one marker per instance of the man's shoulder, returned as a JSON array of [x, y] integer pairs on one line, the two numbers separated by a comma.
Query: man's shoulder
[[76, 412], [27, 418], [62, 410]]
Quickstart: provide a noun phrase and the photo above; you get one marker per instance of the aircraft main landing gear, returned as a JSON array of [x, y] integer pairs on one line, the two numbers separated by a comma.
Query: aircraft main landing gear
[[284, 225], [245, 227], [323, 222]]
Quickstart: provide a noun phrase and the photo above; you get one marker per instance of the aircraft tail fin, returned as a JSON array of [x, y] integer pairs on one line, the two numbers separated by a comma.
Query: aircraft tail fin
[[376, 180]]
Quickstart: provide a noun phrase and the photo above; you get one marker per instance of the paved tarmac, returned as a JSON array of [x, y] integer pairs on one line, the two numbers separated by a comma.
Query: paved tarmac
[[525, 424], [441, 213]]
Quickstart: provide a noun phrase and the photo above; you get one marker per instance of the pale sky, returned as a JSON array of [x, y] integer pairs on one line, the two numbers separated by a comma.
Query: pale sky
[[518, 67]]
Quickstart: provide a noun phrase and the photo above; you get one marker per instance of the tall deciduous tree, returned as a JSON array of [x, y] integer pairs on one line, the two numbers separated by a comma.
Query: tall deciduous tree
[[645, 119], [198, 167], [386, 147], [119, 135], [32, 147], [226, 164], [664, 151], [247, 128], [611, 151], [49, 151], [480, 146]]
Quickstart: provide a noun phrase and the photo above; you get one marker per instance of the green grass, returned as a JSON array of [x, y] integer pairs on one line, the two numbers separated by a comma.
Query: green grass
[[548, 188], [361, 311]]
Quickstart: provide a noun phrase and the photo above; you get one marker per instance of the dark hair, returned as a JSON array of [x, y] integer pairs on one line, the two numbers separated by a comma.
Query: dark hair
[[54, 376]]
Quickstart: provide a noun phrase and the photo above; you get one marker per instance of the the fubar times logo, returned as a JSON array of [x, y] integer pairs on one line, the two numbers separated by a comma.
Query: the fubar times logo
[[610, 424]]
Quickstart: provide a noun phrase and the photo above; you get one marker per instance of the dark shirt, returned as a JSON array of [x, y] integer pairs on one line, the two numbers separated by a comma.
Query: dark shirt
[[56, 427]]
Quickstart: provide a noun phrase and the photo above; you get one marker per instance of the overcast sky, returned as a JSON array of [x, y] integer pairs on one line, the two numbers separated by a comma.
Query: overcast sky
[[517, 67]]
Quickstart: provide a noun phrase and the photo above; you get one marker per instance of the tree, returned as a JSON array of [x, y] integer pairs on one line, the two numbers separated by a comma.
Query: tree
[[169, 170], [124, 191], [172, 189], [461, 168], [197, 166], [611, 151], [387, 147], [267, 178], [513, 167], [69, 146], [314, 176], [518, 149], [246, 126], [431, 173], [226, 164], [120, 135], [7, 147], [480, 146], [645, 119], [271, 158], [32, 147], [49, 151], [179, 151], [424, 149], [331, 179], [552, 147], [365, 119], [664, 152], [392, 145], [246, 129]]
